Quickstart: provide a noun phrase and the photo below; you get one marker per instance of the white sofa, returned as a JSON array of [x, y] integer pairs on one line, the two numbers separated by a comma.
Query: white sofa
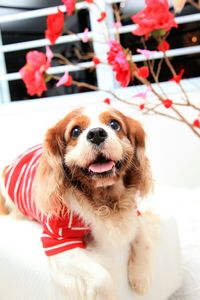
[[174, 154]]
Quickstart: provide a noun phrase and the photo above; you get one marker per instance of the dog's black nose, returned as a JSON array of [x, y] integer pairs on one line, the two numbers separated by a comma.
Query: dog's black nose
[[97, 135]]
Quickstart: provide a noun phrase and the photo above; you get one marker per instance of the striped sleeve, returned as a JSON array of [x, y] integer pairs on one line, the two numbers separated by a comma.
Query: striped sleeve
[[19, 178], [59, 233], [54, 246], [62, 234]]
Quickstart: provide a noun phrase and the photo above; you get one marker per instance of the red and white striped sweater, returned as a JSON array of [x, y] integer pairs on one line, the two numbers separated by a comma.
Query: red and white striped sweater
[[60, 233]]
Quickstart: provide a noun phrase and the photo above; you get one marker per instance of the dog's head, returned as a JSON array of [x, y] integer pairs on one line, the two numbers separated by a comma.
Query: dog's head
[[92, 150]]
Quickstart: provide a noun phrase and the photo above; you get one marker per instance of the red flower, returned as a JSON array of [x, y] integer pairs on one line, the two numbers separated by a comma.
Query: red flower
[[107, 101], [143, 72], [89, 1], [142, 106], [102, 17], [117, 59], [69, 81], [196, 123], [153, 17], [96, 60], [33, 73], [163, 46], [177, 78], [55, 24], [70, 6], [167, 103]]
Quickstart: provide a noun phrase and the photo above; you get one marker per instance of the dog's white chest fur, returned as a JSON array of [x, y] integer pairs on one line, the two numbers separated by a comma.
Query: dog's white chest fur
[[111, 248], [113, 252]]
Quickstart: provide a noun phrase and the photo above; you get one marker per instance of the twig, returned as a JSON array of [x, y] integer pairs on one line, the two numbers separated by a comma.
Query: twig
[[159, 67], [196, 5], [151, 68], [160, 98], [64, 60], [118, 19], [167, 116], [174, 112], [175, 74], [95, 88], [156, 78], [83, 56], [186, 122]]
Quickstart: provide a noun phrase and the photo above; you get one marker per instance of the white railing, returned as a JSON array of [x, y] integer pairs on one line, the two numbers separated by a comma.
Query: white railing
[[100, 50]]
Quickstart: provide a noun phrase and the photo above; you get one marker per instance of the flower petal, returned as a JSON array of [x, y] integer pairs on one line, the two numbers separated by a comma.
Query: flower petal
[[102, 17], [107, 101], [167, 103], [178, 5], [85, 37], [163, 46], [49, 54], [147, 53], [63, 79], [70, 6]]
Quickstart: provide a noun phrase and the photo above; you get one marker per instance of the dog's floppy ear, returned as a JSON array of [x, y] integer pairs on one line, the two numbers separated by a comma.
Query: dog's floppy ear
[[139, 174], [49, 183]]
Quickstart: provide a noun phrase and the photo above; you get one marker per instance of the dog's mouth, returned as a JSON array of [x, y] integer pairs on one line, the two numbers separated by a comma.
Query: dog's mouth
[[103, 166]]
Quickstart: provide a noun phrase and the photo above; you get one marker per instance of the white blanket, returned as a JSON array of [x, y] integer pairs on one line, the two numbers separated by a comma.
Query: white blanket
[[24, 268]]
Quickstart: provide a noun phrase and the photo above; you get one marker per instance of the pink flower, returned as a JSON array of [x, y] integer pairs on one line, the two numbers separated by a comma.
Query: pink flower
[[117, 59], [33, 73], [154, 16], [147, 53], [85, 37], [63, 79], [69, 81], [70, 6], [55, 24], [143, 95], [117, 25], [49, 54], [37, 60], [66, 80]]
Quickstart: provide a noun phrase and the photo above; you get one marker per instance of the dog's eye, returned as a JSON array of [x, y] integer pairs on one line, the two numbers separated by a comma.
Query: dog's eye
[[76, 131], [115, 125]]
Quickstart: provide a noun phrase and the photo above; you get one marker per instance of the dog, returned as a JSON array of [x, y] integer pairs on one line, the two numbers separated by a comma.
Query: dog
[[83, 185]]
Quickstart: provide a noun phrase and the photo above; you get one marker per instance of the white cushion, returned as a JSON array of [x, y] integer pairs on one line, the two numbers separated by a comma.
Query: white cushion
[[183, 205], [24, 269]]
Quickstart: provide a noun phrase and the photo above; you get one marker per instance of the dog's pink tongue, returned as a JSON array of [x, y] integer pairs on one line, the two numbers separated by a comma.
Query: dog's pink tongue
[[101, 167]]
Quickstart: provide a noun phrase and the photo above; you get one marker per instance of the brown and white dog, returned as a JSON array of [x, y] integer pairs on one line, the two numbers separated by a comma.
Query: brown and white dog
[[93, 164]]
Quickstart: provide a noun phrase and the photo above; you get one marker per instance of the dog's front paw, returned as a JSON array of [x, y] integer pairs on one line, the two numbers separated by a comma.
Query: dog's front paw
[[139, 278], [78, 277], [140, 283], [84, 287], [99, 288]]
